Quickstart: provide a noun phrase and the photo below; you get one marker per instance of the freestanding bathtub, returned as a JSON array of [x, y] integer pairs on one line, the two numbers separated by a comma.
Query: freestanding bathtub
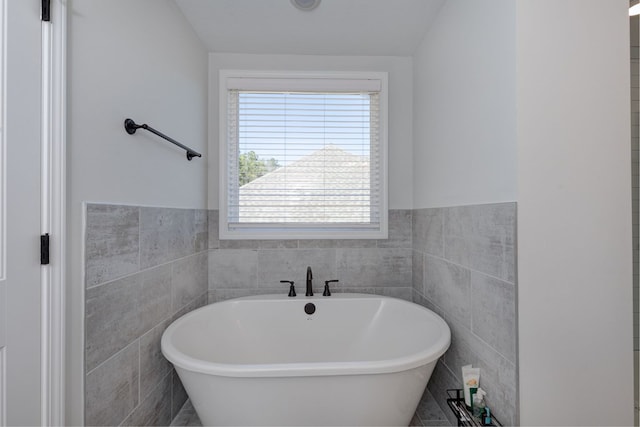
[[357, 360]]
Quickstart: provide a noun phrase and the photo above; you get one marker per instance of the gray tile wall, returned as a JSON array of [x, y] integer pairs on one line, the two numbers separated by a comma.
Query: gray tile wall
[[144, 267], [459, 261], [148, 266], [464, 268], [250, 267]]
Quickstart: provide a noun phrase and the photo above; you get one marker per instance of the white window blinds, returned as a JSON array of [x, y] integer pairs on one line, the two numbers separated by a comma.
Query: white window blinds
[[304, 160]]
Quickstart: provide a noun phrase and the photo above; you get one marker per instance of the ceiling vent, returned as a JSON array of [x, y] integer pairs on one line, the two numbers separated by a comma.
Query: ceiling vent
[[306, 5]]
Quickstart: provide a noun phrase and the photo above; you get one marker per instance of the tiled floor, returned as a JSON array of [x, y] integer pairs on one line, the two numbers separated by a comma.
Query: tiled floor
[[428, 414], [187, 416]]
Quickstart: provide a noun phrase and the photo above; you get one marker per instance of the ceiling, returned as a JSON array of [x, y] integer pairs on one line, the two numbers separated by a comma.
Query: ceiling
[[335, 27]]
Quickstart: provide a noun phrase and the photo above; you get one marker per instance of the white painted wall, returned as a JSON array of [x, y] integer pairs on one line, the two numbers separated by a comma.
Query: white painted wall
[[529, 101], [574, 213], [400, 108], [464, 106], [137, 59]]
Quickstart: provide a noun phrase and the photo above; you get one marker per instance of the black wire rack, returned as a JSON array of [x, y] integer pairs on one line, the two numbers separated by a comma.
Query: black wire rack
[[462, 413]]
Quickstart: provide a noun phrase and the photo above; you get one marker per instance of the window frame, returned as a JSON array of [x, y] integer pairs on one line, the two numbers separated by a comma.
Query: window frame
[[294, 232]]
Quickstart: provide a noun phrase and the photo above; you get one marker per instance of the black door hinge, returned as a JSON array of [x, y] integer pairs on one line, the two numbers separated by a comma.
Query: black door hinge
[[44, 249], [46, 10]]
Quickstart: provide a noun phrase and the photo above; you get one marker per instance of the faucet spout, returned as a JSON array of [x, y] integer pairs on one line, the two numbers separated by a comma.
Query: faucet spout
[[309, 292]]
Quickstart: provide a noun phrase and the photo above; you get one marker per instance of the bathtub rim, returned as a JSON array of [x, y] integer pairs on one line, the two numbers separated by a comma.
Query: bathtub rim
[[386, 366]]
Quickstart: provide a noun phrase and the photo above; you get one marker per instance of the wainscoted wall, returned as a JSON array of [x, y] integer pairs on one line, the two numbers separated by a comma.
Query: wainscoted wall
[[250, 267], [464, 262], [144, 267]]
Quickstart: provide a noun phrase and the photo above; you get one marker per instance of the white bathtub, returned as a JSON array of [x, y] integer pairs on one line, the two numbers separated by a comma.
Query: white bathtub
[[358, 360]]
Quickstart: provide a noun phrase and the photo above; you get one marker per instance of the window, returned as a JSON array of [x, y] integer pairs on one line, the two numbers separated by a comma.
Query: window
[[303, 155]]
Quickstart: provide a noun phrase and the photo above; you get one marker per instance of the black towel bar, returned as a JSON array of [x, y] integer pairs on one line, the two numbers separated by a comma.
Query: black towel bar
[[130, 126]]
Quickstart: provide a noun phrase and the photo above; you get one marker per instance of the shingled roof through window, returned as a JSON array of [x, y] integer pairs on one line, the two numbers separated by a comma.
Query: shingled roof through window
[[328, 185]]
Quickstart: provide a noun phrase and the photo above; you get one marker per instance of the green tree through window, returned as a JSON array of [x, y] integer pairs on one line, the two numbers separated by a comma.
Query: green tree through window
[[252, 167]]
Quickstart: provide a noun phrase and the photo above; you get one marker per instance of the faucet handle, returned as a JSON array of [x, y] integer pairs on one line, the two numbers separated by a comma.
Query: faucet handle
[[327, 292], [292, 289]]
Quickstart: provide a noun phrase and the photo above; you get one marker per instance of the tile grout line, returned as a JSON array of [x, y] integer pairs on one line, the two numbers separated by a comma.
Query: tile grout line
[[111, 357], [482, 341], [139, 245], [472, 270], [139, 381], [147, 269], [470, 331], [443, 225], [141, 335]]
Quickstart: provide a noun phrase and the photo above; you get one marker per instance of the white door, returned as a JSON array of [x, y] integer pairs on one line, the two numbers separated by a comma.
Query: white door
[[20, 270]]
